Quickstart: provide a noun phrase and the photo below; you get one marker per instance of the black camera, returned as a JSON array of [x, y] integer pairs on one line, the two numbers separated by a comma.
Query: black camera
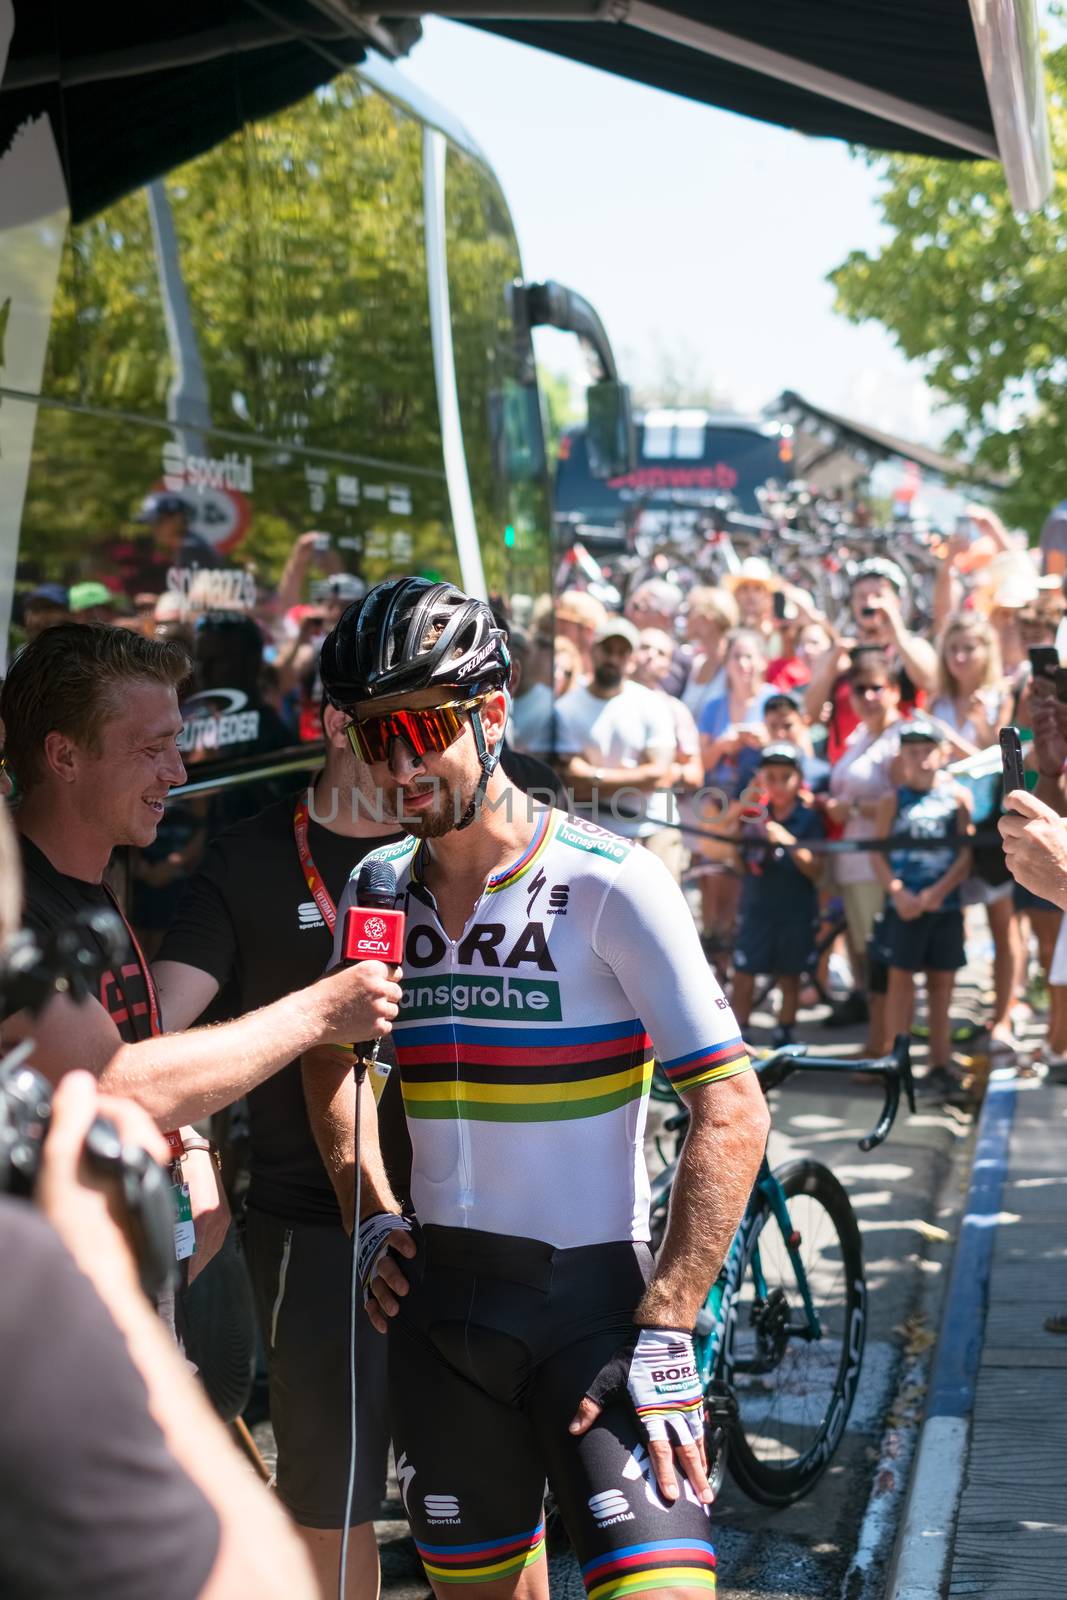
[[70, 963]]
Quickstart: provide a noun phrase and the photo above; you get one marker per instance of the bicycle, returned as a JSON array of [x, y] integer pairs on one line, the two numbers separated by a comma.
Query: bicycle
[[779, 1340]]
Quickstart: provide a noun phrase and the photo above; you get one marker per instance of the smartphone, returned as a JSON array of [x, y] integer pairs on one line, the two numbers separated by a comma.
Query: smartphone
[[1044, 661], [322, 543], [966, 529], [1011, 758], [1061, 684]]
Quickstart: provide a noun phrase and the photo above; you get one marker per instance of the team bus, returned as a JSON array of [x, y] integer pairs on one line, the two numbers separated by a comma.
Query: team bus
[[689, 462], [295, 365]]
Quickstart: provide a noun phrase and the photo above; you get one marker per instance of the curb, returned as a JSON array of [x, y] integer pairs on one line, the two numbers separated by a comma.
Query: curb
[[924, 1549]]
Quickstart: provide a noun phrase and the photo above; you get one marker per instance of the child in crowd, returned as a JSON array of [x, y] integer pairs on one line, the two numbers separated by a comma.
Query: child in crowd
[[921, 929], [779, 903]]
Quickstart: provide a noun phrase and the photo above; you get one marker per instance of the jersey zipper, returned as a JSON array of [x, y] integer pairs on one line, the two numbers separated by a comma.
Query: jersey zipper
[[465, 1197]]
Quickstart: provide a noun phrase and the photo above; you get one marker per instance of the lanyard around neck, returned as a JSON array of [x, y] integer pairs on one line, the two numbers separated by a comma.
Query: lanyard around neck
[[154, 1022], [312, 876]]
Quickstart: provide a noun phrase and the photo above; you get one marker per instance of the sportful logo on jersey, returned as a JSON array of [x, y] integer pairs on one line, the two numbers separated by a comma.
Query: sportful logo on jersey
[[610, 1507], [442, 1508], [557, 900], [309, 915], [492, 1000]]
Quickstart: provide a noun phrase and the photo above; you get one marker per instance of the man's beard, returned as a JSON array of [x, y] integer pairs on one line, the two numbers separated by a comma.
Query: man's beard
[[445, 814], [607, 675]]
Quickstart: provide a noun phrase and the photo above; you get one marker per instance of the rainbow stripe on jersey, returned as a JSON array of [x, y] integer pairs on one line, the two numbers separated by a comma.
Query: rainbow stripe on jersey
[[659, 1564], [525, 1043], [489, 1074], [482, 1563]]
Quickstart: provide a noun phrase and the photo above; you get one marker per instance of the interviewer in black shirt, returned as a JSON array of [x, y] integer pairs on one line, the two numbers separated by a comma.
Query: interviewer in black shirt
[[255, 923]]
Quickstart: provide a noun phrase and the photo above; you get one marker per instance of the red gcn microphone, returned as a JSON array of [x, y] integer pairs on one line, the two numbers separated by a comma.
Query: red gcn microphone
[[373, 930]]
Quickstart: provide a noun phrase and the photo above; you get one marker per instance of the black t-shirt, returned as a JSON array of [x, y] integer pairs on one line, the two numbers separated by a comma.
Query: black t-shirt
[[51, 900], [531, 773], [249, 919], [91, 1500]]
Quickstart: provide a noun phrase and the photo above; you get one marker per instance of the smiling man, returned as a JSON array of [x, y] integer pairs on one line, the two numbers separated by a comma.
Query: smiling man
[[91, 724]]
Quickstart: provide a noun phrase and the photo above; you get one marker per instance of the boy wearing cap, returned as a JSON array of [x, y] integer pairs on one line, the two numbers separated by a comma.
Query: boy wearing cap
[[779, 901], [921, 929]]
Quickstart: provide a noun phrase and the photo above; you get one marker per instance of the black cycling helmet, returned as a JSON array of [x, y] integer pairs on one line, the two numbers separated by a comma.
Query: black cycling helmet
[[409, 634]]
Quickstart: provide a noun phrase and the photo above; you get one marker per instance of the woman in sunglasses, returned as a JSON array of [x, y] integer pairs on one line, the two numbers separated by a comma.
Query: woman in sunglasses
[[521, 1300]]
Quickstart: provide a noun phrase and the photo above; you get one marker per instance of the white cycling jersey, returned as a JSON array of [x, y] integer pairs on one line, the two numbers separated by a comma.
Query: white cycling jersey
[[525, 1046]]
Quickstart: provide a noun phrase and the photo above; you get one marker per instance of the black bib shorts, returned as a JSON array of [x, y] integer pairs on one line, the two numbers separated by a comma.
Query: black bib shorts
[[489, 1357]]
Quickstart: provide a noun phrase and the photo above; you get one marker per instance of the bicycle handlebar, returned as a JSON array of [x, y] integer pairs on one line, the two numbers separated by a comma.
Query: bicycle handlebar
[[895, 1068]]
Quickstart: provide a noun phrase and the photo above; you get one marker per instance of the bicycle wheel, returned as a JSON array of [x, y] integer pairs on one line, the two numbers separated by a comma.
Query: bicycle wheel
[[794, 1387]]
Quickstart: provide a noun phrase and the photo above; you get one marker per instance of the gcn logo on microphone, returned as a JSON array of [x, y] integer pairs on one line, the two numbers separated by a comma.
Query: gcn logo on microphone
[[374, 941], [373, 935]]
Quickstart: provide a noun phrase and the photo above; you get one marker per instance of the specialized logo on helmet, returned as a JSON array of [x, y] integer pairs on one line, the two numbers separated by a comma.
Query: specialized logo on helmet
[[494, 647]]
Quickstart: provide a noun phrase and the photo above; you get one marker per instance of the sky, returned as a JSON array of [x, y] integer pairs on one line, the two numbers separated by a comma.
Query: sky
[[702, 238]]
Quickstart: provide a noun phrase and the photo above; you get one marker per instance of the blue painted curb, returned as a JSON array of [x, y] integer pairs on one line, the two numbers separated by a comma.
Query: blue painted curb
[[959, 1346]]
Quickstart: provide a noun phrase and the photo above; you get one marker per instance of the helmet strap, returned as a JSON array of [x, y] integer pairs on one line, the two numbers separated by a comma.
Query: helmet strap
[[489, 759]]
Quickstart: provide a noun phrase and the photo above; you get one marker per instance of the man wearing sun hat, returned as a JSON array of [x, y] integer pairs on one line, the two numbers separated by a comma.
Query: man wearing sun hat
[[754, 586]]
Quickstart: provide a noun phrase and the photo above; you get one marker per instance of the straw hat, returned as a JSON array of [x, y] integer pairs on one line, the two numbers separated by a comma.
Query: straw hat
[[752, 570]]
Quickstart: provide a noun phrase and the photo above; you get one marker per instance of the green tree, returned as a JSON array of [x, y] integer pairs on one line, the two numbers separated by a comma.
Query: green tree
[[560, 410], [976, 294]]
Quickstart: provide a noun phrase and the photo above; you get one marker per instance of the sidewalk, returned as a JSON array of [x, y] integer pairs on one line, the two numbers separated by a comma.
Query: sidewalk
[[1011, 1532]]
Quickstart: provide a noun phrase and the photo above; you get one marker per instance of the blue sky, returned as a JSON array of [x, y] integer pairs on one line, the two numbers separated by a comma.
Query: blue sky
[[693, 231]]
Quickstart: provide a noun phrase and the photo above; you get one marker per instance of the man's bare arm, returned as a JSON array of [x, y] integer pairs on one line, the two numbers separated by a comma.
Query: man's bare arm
[[183, 1077], [330, 1094], [648, 775], [825, 671], [919, 658], [728, 1126]]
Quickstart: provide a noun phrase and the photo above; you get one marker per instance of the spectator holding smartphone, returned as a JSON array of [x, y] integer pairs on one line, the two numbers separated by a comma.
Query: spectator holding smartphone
[[875, 603]]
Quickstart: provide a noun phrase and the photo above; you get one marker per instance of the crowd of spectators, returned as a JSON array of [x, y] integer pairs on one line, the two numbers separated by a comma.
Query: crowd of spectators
[[726, 726], [731, 727]]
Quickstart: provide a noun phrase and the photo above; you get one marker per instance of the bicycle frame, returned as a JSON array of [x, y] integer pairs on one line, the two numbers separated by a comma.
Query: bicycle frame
[[714, 1316]]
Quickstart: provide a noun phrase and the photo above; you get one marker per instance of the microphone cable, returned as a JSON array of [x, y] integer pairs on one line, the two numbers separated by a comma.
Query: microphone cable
[[342, 1573]]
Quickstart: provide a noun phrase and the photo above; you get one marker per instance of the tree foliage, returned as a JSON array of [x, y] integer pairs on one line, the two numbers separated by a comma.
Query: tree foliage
[[976, 294], [301, 249]]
